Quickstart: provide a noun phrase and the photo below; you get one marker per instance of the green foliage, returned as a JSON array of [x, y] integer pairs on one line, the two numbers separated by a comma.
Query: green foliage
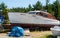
[[37, 6], [4, 12], [47, 1], [49, 8], [51, 36], [17, 10], [56, 9], [29, 7]]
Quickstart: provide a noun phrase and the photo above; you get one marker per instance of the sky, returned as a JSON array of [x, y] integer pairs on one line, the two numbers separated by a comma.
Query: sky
[[22, 3]]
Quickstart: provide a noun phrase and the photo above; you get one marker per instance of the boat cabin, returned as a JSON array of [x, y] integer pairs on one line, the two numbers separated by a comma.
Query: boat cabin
[[42, 13]]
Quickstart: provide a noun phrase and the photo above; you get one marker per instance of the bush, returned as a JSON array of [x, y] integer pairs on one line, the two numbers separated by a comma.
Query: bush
[[6, 22], [51, 36]]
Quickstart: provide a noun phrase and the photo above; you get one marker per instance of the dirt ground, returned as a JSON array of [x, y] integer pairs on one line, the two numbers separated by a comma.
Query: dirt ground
[[32, 34]]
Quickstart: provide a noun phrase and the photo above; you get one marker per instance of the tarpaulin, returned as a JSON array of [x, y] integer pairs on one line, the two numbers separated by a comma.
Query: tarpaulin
[[17, 31]]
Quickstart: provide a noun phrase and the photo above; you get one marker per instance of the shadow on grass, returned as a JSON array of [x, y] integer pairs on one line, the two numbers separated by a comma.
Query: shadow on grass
[[51, 36], [4, 31]]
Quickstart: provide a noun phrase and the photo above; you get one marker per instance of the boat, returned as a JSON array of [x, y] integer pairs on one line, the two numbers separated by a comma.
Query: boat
[[55, 30], [32, 19]]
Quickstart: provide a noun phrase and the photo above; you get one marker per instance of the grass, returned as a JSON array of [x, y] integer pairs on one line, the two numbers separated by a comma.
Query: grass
[[48, 36], [37, 34], [42, 34]]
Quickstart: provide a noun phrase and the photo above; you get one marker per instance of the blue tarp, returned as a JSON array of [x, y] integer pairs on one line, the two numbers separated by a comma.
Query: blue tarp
[[1, 18], [17, 31]]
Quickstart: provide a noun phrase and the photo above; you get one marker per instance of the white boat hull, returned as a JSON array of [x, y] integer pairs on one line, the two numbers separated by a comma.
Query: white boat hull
[[55, 31], [30, 19]]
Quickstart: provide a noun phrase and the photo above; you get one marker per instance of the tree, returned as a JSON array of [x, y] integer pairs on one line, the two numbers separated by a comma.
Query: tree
[[4, 12], [47, 1], [30, 7], [37, 6], [50, 9], [56, 7]]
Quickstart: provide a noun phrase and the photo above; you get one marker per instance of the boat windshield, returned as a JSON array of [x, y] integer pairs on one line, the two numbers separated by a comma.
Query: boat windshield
[[32, 12]]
